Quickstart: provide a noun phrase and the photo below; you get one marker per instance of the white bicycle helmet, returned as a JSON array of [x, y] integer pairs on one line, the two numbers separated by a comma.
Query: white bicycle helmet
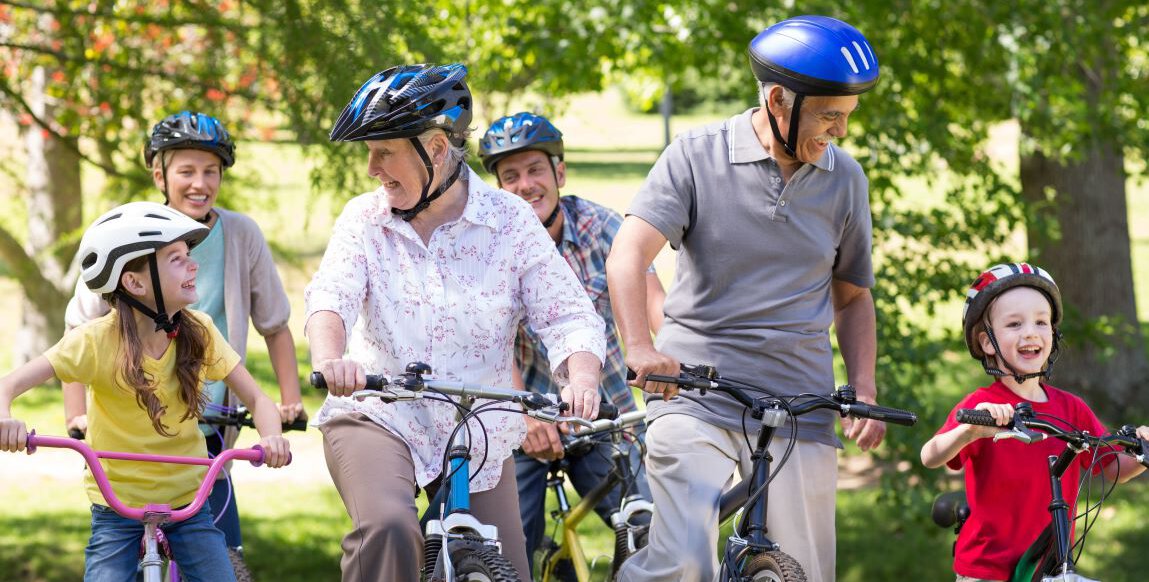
[[126, 232]]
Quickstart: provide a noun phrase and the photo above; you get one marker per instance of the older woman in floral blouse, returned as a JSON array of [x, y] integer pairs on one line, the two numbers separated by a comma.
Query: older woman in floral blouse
[[438, 267]]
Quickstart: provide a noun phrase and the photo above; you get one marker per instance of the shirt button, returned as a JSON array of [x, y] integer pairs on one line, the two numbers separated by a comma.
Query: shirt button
[[783, 203]]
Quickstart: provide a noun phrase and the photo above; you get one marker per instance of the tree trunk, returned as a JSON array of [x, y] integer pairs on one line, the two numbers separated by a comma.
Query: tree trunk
[[54, 211], [1079, 231]]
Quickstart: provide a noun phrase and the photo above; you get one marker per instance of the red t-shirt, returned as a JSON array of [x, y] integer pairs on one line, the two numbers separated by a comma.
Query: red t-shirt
[[1007, 483]]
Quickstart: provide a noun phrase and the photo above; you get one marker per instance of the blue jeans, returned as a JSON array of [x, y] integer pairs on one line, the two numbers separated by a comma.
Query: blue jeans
[[584, 473], [113, 551]]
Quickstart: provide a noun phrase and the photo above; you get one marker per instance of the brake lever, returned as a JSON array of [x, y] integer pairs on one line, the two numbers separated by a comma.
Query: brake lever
[[1024, 435], [387, 394], [552, 416]]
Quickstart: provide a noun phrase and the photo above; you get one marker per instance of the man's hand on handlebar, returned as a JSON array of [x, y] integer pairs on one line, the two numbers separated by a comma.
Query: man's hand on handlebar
[[644, 361], [866, 432], [542, 441]]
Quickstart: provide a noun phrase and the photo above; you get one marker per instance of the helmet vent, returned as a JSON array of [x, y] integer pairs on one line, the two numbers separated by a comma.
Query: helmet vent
[[89, 260], [862, 54], [112, 217], [158, 216], [146, 233], [850, 59]]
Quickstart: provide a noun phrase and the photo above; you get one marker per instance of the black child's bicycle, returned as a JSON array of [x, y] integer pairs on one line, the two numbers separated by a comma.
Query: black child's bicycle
[[1052, 556], [750, 555]]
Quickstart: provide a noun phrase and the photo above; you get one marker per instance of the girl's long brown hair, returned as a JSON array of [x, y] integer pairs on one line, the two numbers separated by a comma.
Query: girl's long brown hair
[[191, 349]]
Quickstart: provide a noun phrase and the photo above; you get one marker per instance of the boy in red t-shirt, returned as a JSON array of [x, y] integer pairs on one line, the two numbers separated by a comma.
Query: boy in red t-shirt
[[1011, 319]]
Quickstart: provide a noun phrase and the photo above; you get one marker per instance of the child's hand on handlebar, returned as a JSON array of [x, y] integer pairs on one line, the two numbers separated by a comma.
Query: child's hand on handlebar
[[1001, 413], [13, 435], [276, 450]]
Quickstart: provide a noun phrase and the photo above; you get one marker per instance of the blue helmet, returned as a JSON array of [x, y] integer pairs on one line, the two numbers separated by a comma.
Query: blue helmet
[[405, 101], [189, 130], [815, 55], [518, 133]]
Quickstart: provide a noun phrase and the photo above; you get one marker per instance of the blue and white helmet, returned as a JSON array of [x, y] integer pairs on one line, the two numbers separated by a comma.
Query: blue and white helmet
[[815, 55], [405, 101]]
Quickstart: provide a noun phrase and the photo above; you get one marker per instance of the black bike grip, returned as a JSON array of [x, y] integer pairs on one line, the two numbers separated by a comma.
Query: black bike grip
[[607, 411], [975, 416], [299, 424], [76, 433], [884, 414], [374, 381], [318, 381], [630, 375]]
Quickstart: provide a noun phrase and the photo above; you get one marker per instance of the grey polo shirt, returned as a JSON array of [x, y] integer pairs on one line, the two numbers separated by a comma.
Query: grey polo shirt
[[751, 291]]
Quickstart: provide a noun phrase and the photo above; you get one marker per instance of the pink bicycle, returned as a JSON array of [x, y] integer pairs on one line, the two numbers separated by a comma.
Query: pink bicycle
[[153, 515]]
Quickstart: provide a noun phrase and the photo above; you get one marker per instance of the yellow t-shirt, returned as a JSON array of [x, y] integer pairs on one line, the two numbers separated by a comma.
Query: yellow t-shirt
[[116, 422]]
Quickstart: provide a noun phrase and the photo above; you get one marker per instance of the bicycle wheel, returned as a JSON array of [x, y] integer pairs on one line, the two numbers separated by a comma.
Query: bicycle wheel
[[562, 570], [475, 562], [773, 567], [242, 574], [634, 534]]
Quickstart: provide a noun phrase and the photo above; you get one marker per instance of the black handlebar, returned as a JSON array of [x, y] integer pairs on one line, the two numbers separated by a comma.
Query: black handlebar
[[842, 400], [534, 401], [1125, 437], [374, 381]]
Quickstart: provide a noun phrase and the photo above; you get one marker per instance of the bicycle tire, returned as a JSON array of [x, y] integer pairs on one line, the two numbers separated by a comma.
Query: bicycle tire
[[476, 562], [561, 571], [776, 566], [639, 530], [242, 573]]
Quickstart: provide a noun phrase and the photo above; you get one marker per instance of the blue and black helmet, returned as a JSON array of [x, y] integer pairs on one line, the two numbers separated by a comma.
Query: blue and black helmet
[[815, 55], [190, 130], [405, 101], [812, 56], [519, 133]]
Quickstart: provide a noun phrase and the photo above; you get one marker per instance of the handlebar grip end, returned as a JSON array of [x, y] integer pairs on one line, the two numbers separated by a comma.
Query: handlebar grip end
[[318, 381], [607, 411], [76, 433]]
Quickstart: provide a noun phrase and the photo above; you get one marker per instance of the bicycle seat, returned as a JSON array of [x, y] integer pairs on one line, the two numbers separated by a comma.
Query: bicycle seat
[[949, 509]]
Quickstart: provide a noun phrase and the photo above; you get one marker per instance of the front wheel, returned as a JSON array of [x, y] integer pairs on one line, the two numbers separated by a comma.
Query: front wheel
[[476, 562], [629, 537], [773, 566]]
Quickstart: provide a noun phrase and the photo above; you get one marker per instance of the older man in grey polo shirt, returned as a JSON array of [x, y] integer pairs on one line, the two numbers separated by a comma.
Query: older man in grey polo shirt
[[773, 239]]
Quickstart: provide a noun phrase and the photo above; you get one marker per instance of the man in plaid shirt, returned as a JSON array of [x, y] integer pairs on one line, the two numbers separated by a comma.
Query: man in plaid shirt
[[525, 154]]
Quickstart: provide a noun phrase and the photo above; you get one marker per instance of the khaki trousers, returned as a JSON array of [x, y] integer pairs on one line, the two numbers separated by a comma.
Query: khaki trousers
[[375, 476], [689, 464]]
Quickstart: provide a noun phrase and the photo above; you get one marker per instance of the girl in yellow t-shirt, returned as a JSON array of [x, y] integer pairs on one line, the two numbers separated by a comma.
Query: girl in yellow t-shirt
[[146, 362]]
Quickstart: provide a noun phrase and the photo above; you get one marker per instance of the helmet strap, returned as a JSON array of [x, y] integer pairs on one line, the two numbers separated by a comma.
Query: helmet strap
[[794, 116], [554, 216], [159, 314], [991, 368], [425, 199]]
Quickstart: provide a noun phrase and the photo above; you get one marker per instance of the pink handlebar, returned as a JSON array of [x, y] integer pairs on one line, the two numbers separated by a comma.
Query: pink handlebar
[[91, 456]]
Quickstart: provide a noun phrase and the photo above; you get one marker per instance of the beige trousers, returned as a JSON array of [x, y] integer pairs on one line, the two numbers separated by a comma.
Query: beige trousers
[[375, 476], [689, 464]]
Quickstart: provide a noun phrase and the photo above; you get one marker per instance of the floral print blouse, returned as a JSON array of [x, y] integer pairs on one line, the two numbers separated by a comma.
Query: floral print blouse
[[455, 304]]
